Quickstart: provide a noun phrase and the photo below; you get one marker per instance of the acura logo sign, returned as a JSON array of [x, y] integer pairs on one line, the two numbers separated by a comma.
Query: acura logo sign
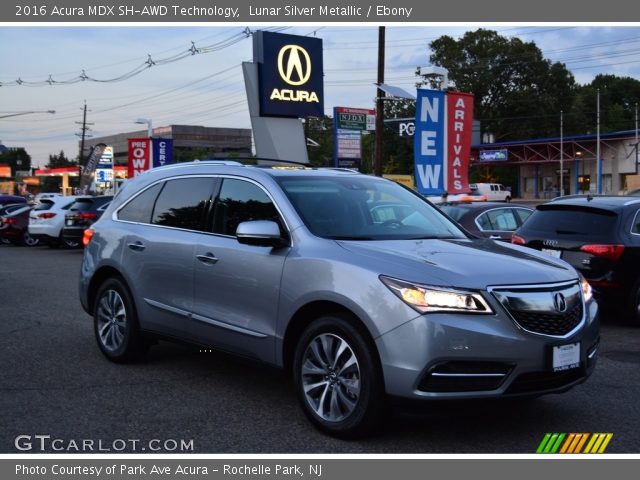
[[290, 61], [560, 303]]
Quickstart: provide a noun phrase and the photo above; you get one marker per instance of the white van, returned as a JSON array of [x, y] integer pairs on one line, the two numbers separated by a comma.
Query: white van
[[495, 192]]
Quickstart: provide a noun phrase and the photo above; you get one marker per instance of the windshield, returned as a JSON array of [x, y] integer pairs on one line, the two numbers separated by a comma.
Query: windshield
[[365, 208]]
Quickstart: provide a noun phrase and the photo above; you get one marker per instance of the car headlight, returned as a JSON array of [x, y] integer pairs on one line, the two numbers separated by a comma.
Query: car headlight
[[587, 291], [427, 299]]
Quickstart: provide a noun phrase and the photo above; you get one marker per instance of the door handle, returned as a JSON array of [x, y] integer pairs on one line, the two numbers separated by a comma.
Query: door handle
[[137, 246], [208, 258]]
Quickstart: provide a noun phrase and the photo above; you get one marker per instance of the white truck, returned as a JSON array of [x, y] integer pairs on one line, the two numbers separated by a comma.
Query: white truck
[[495, 192]]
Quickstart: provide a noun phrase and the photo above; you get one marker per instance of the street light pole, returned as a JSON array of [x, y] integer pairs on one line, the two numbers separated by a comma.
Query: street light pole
[[149, 127], [27, 113]]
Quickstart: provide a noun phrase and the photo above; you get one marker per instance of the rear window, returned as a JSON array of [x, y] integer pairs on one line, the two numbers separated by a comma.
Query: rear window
[[572, 221], [44, 205], [454, 211], [82, 205]]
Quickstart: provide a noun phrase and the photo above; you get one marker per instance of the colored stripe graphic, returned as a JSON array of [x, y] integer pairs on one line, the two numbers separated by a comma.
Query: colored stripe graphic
[[574, 443]]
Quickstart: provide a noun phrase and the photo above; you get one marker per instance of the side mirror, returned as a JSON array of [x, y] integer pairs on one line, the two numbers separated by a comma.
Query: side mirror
[[260, 233]]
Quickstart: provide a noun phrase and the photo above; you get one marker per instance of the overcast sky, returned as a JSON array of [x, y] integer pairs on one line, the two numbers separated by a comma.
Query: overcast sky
[[207, 88]]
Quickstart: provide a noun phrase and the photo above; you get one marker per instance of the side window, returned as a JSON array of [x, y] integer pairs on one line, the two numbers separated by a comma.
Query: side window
[[523, 213], [139, 209], [183, 203], [635, 226], [241, 201], [503, 219], [484, 223]]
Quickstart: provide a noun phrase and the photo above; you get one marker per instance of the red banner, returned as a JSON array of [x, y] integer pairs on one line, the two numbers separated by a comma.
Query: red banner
[[459, 129], [139, 156]]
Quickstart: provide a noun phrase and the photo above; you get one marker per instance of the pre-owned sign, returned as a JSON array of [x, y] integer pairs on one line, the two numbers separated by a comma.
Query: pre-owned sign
[[290, 75], [139, 158]]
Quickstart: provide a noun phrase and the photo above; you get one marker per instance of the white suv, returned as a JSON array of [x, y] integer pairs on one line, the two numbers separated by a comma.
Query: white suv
[[47, 219]]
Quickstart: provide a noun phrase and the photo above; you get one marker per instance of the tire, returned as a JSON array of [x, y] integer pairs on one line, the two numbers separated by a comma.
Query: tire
[[28, 240], [508, 199], [67, 243], [633, 306], [338, 379], [116, 324]]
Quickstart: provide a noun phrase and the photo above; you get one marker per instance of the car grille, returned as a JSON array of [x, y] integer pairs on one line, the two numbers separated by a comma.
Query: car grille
[[538, 382], [547, 310], [549, 323]]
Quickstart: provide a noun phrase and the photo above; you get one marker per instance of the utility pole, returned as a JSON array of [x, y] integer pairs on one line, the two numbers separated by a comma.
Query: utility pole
[[598, 164], [83, 134], [377, 165], [561, 155]]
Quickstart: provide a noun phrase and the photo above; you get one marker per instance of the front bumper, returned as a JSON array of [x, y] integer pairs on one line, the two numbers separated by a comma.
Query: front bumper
[[456, 356]]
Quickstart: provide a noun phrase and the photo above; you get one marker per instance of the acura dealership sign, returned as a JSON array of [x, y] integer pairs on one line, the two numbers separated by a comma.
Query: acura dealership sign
[[290, 75]]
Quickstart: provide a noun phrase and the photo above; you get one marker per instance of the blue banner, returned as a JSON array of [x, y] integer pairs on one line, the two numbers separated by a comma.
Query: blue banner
[[162, 151], [429, 146]]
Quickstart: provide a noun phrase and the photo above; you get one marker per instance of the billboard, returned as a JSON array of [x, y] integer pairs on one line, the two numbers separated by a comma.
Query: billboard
[[501, 155], [355, 118], [139, 156], [442, 141], [459, 129], [290, 75], [162, 151], [429, 152]]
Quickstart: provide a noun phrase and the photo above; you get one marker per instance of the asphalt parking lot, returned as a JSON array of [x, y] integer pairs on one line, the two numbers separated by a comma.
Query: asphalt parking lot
[[56, 382]]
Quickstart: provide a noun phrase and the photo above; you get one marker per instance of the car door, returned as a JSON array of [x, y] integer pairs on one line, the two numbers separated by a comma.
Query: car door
[[237, 287], [165, 223]]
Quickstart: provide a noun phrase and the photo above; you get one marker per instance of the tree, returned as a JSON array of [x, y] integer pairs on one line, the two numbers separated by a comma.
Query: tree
[[518, 93], [60, 161], [17, 158], [618, 99]]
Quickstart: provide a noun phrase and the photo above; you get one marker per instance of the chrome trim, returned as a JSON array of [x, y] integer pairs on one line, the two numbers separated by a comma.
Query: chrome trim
[[202, 318], [468, 375], [594, 353], [543, 286]]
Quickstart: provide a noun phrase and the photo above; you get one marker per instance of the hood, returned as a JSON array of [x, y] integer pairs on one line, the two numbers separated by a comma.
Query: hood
[[472, 264]]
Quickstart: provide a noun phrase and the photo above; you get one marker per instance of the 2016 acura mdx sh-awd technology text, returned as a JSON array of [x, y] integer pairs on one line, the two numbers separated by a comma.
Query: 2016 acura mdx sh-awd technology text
[[354, 284]]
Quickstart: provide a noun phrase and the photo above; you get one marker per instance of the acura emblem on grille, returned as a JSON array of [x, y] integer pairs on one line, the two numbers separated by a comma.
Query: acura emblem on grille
[[560, 302]]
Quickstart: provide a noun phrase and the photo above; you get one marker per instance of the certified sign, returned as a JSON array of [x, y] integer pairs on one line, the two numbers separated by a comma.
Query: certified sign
[[290, 75]]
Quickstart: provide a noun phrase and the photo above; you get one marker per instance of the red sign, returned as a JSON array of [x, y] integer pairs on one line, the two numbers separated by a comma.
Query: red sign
[[460, 125], [139, 156]]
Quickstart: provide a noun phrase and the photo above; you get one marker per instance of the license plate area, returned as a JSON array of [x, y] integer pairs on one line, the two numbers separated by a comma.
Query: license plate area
[[552, 253], [565, 357]]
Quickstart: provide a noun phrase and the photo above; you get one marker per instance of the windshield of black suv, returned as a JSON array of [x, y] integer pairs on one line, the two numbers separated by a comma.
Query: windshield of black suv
[[365, 208]]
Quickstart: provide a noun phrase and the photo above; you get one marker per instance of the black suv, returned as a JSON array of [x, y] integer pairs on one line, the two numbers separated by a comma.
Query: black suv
[[81, 215], [600, 237]]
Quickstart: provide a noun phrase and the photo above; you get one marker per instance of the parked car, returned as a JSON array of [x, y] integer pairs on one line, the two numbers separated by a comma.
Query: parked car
[[47, 219], [600, 237], [471, 196], [43, 195], [495, 192], [357, 286], [13, 227], [5, 210], [8, 199], [81, 215], [634, 193], [488, 219]]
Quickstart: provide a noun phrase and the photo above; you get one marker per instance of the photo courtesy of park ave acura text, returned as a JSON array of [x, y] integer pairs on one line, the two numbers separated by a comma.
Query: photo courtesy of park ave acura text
[[373, 237]]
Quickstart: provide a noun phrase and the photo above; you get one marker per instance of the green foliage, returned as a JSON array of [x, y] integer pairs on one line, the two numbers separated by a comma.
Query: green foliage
[[518, 93], [60, 161], [18, 159]]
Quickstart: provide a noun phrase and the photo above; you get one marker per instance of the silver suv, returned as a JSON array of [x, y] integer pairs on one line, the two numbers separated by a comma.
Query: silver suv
[[358, 287]]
